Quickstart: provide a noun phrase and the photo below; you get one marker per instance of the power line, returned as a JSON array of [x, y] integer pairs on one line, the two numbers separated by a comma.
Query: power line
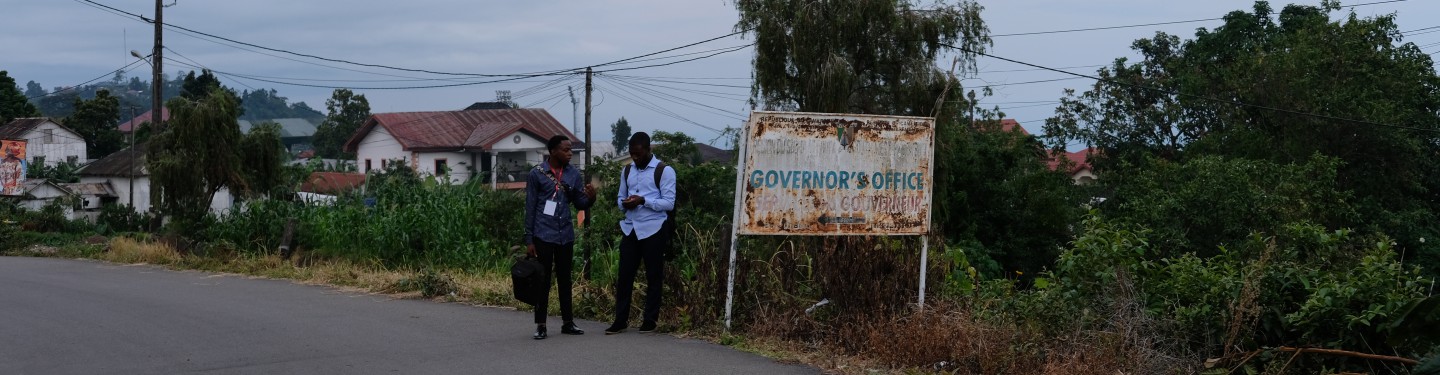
[[679, 82], [1202, 97], [527, 75], [1154, 24], [125, 68], [1103, 28], [713, 94], [676, 48], [677, 62], [193, 36], [474, 83], [178, 27], [657, 109], [1030, 82], [677, 100]]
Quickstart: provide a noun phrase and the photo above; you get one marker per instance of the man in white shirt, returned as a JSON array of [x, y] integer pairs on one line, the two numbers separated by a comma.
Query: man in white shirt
[[646, 203]]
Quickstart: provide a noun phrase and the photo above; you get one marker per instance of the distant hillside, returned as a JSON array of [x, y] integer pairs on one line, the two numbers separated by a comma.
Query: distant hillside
[[134, 92]]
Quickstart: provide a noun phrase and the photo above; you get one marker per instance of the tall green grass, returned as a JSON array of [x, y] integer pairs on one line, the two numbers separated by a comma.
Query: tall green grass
[[464, 226]]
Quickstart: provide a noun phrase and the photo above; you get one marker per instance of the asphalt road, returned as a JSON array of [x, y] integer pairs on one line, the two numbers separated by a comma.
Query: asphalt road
[[60, 316]]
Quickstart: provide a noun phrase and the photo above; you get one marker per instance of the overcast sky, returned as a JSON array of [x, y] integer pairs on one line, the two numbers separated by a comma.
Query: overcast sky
[[63, 43]]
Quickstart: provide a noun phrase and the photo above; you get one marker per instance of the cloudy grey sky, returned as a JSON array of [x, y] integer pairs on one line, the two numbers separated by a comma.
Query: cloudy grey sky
[[63, 43]]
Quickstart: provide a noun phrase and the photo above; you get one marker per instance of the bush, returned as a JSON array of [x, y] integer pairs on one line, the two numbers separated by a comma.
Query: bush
[[1303, 286]]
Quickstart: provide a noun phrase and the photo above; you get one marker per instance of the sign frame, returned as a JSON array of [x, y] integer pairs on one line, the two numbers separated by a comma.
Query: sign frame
[[841, 121]]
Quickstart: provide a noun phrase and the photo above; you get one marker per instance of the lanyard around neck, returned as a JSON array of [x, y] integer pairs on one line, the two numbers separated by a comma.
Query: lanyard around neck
[[558, 176]]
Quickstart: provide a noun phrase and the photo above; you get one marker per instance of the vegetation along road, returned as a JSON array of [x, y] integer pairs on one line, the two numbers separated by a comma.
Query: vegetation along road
[[88, 317]]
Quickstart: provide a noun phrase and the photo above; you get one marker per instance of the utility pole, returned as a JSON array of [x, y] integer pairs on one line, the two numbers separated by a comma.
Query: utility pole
[[132, 159], [157, 85], [589, 151], [575, 114]]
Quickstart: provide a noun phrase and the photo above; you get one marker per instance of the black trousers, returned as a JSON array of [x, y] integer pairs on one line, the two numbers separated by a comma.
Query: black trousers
[[632, 251], [559, 260]]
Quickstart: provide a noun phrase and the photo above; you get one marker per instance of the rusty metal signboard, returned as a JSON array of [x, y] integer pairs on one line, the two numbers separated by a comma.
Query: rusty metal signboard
[[835, 174]]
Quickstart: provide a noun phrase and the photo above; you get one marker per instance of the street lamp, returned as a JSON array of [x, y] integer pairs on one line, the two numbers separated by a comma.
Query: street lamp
[[155, 90], [154, 123]]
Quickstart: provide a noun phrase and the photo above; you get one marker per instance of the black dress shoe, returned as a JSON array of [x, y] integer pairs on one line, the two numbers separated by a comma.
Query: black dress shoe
[[647, 326], [616, 328], [570, 329], [540, 333]]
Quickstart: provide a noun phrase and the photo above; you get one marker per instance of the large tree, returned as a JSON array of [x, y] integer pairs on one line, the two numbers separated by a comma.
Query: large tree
[[13, 103], [97, 122], [864, 56], [1280, 88], [263, 156], [620, 135], [33, 90], [196, 157], [347, 111]]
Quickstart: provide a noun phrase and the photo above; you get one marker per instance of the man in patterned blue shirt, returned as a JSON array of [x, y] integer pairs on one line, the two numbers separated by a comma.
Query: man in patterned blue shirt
[[645, 203], [550, 231]]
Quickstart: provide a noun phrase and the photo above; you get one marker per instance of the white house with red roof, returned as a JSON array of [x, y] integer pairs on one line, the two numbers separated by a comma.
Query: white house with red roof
[[495, 145], [1077, 162]]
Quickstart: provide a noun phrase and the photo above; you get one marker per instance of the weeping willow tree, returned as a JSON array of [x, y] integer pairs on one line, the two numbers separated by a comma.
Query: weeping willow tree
[[858, 56], [195, 156]]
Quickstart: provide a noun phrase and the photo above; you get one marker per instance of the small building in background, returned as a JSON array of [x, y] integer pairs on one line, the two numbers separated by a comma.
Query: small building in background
[[492, 145], [47, 142], [295, 133]]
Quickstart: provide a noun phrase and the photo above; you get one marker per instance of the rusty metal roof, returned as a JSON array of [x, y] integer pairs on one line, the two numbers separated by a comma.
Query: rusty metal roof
[[127, 162], [126, 127], [17, 128], [453, 130], [332, 183], [99, 189]]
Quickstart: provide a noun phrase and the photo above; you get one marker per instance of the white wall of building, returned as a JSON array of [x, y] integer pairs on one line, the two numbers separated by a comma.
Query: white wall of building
[[55, 144], [457, 162], [376, 146], [121, 185]]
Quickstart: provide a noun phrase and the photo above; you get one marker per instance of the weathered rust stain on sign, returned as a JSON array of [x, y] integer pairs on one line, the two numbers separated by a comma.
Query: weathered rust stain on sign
[[836, 174]]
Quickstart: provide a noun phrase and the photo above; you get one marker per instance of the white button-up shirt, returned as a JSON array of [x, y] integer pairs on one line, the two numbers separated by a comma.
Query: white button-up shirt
[[645, 220]]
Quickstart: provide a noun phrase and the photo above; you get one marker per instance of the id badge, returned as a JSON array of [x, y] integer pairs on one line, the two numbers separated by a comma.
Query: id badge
[[550, 207]]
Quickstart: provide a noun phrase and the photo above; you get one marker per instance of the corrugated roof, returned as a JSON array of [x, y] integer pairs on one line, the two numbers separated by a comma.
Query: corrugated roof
[[99, 189], [125, 127], [1080, 160], [332, 183], [118, 164], [487, 105], [452, 130], [289, 127], [17, 128]]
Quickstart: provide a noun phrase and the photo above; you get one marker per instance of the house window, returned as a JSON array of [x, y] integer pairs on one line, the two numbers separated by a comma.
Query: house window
[[72, 159], [384, 163], [441, 167], [367, 165], [49, 135], [39, 160]]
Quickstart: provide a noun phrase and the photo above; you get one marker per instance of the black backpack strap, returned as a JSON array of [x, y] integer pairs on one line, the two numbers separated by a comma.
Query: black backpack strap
[[626, 176], [659, 171]]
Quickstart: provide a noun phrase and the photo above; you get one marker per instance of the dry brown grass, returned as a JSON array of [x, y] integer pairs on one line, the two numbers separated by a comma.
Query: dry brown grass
[[948, 338], [943, 338], [126, 250]]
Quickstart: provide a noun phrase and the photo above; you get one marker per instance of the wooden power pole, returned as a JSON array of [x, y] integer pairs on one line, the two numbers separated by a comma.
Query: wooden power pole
[[157, 86], [589, 154]]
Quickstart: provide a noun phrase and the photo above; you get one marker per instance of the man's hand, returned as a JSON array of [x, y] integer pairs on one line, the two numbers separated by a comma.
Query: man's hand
[[631, 202], [590, 191], [530, 249]]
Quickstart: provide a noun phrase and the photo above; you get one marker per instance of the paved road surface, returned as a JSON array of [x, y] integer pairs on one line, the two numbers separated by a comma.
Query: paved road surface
[[60, 316]]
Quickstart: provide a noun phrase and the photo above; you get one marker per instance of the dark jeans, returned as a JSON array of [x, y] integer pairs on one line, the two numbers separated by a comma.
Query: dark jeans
[[559, 260], [632, 251]]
